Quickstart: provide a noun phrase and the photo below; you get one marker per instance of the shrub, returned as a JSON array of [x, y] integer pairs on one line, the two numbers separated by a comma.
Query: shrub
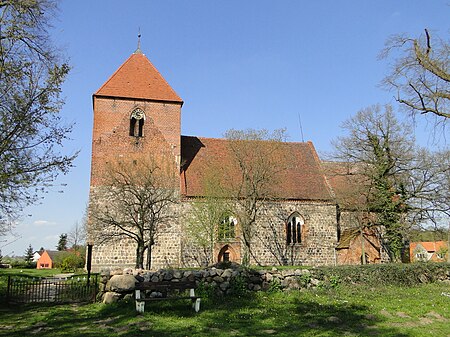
[[274, 286], [304, 280], [72, 262], [400, 274], [239, 286], [207, 291]]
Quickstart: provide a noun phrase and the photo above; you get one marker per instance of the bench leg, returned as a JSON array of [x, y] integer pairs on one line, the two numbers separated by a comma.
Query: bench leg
[[196, 305], [140, 307]]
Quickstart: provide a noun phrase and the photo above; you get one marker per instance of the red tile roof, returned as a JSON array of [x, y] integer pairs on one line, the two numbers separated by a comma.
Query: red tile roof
[[346, 183], [301, 179], [430, 247], [138, 78]]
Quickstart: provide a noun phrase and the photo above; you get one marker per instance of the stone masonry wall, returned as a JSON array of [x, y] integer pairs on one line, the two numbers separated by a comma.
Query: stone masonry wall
[[173, 248], [121, 252], [319, 237]]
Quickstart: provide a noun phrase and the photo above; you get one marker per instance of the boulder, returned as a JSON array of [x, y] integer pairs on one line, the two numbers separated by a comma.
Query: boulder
[[128, 271], [168, 276], [105, 272], [111, 297], [116, 271], [121, 283], [255, 279], [227, 273], [217, 279], [139, 278]]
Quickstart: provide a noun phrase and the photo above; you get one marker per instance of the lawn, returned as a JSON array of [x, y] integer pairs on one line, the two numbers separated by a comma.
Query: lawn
[[341, 311]]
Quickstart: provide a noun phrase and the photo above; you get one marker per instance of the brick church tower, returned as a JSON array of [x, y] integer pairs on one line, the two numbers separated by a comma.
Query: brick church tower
[[137, 115]]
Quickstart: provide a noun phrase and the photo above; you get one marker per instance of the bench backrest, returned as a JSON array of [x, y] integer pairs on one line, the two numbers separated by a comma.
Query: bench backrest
[[166, 285]]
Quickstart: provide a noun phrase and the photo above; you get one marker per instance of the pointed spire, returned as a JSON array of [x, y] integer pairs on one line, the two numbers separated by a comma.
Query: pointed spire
[[138, 50]]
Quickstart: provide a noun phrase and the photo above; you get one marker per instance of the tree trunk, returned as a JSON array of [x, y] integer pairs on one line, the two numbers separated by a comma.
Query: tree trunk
[[140, 256], [448, 243], [363, 251], [149, 257]]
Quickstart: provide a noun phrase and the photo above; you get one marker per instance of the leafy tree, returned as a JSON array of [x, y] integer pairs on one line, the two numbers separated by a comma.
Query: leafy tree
[[256, 154], [140, 196], [29, 254], [420, 74], [31, 130], [72, 262], [62, 243]]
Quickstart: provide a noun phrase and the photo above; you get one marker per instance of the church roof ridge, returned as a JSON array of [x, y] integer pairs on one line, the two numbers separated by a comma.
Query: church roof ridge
[[138, 78]]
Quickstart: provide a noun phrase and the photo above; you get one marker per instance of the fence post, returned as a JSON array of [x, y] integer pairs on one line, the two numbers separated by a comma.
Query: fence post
[[89, 262], [8, 289]]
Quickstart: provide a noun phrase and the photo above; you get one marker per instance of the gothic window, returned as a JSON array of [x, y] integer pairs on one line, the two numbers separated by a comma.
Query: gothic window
[[294, 229], [137, 119], [227, 228]]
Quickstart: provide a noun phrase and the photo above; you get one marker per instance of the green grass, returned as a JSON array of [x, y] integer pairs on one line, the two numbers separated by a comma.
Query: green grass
[[4, 273], [343, 311], [29, 272]]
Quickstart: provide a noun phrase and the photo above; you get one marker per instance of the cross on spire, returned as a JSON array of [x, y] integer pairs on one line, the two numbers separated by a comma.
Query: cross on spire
[[138, 50]]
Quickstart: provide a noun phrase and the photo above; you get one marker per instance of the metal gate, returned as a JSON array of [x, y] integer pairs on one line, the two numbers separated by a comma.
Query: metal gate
[[75, 289]]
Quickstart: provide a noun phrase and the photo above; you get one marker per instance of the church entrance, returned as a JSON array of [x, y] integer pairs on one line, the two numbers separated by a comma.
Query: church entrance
[[227, 254]]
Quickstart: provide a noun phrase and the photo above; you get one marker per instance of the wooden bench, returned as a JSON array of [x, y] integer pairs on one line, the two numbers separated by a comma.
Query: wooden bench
[[165, 288]]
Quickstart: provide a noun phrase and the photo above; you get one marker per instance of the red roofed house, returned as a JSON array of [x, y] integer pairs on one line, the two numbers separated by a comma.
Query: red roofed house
[[137, 113], [428, 251], [47, 259]]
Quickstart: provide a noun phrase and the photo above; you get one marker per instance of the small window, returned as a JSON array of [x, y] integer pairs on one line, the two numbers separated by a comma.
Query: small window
[[294, 229], [137, 119], [227, 228], [421, 256]]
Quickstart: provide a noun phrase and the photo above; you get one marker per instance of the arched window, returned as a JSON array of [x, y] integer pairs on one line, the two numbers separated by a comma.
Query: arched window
[[294, 229], [137, 119], [227, 228]]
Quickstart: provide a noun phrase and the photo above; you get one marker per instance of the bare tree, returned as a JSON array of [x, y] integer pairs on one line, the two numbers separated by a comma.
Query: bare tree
[[204, 218], [77, 235], [257, 156], [420, 74], [384, 149], [137, 199], [31, 130]]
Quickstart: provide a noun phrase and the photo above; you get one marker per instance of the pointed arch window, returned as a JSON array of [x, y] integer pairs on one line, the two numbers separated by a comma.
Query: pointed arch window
[[294, 229], [137, 120], [227, 228]]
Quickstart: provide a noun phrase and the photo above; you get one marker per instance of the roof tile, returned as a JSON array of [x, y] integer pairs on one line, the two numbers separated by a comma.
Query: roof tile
[[301, 179], [138, 78]]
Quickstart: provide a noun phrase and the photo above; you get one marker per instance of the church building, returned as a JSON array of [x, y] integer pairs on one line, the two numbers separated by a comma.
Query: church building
[[137, 113]]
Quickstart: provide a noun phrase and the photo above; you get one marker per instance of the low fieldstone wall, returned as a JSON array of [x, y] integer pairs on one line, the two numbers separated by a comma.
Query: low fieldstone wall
[[118, 284]]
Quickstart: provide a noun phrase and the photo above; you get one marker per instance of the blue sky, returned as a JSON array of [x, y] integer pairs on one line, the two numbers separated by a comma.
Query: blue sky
[[236, 64]]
